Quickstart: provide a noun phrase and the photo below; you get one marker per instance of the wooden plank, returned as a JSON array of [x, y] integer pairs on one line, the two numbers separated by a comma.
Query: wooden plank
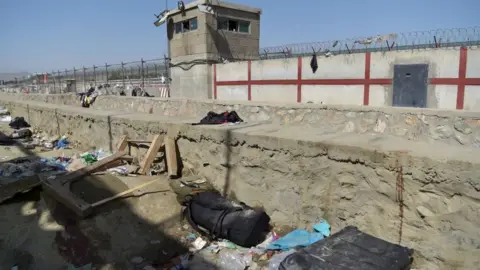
[[151, 155], [122, 145], [171, 156], [63, 195], [139, 141], [123, 193], [101, 164]]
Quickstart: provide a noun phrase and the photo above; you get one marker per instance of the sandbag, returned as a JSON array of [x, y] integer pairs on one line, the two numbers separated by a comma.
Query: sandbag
[[215, 217], [350, 249]]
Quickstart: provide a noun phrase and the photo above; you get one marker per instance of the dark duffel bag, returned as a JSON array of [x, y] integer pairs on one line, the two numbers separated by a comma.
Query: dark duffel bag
[[214, 216], [349, 249]]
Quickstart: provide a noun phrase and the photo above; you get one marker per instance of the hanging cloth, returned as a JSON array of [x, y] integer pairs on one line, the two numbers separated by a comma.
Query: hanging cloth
[[313, 63]]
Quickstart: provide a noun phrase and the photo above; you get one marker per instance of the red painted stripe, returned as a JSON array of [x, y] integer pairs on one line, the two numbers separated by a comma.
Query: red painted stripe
[[455, 81], [462, 75], [308, 82], [215, 81], [299, 80], [249, 80], [366, 86]]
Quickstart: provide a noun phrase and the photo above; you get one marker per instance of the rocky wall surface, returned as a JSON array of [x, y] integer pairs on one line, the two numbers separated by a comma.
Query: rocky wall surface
[[429, 125], [427, 196]]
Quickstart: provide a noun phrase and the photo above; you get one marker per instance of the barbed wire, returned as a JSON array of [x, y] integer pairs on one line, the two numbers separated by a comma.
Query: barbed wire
[[419, 40]]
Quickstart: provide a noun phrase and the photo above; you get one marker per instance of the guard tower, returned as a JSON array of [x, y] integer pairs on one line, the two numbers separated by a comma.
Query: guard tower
[[206, 32]]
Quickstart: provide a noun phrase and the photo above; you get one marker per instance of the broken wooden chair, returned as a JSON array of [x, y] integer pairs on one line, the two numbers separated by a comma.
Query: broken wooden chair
[[60, 188]]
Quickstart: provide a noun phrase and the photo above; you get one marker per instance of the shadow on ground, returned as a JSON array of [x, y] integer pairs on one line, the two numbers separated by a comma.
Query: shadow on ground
[[37, 232]]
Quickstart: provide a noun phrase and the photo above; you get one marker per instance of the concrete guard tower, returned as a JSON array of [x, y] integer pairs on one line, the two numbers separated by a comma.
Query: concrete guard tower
[[207, 32]]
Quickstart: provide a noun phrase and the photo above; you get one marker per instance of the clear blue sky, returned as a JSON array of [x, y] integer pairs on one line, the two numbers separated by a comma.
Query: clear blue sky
[[41, 35]]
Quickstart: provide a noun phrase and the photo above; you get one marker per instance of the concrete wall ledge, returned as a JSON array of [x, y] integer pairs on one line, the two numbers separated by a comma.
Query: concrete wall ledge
[[460, 128], [302, 174], [70, 99]]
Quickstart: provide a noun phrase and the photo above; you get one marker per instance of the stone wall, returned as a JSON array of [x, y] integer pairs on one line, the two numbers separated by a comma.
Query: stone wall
[[429, 125], [302, 174]]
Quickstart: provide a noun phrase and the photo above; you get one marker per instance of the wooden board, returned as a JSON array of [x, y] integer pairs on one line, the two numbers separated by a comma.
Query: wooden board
[[99, 165], [122, 145], [171, 156], [151, 155]]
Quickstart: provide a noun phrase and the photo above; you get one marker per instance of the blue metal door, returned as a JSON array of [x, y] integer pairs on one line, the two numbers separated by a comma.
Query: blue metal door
[[410, 85]]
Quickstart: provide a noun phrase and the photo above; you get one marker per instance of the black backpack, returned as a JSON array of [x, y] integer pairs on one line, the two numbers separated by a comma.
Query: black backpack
[[213, 216]]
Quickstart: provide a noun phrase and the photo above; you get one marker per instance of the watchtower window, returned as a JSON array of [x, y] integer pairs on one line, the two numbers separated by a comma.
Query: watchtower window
[[233, 25], [186, 26]]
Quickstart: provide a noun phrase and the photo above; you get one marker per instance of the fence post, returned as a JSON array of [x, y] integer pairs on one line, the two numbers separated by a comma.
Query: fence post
[[84, 73], [75, 78], [106, 73], [59, 81], [54, 82], [143, 74], [156, 70], [123, 75], [94, 76]]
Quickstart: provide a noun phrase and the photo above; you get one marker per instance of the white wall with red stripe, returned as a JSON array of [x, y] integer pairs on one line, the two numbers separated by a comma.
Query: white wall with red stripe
[[352, 79]]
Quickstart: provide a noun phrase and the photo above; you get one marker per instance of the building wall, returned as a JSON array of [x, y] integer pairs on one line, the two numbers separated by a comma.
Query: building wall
[[190, 43], [231, 45], [189, 52], [355, 79]]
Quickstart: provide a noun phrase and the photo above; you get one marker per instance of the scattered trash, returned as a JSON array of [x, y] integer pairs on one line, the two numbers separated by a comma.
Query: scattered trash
[[323, 227], [191, 236], [5, 118], [199, 244], [4, 111], [278, 258], [234, 260], [62, 143], [271, 237], [301, 238], [89, 158], [214, 248], [184, 261], [21, 133], [227, 244], [25, 167], [48, 145], [120, 170]]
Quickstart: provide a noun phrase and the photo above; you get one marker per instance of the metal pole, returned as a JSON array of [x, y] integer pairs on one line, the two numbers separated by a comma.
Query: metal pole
[[66, 80], [94, 76], [106, 72], [59, 82], [123, 75], [84, 85], [54, 82], [75, 78], [143, 74]]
